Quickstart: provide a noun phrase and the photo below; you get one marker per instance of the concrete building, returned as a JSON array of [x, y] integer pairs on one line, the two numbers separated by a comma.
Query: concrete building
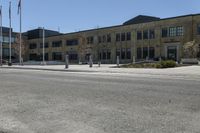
[[143, 37], [5, 45]]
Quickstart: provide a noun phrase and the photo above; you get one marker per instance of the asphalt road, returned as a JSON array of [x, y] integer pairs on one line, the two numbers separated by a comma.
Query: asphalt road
[[57, 102]]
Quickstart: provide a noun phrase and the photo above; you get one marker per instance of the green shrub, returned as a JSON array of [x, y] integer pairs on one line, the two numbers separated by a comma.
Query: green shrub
[[167, 64], [162, 64]]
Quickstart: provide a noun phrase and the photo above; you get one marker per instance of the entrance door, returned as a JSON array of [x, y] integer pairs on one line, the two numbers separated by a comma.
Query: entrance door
[[172, 53]]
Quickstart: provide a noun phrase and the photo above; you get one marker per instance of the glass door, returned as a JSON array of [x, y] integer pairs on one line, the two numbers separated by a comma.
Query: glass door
[[172, 53]]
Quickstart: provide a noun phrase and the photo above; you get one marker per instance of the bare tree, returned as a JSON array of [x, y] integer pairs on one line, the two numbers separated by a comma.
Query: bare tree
[[190, 49], [16, 46]]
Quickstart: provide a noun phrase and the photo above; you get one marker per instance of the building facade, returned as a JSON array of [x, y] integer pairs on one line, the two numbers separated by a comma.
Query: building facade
[[140, 38], [5, 45]]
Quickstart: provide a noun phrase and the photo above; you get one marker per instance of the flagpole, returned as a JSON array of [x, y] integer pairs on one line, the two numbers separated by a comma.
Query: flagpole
[[20, 38], [43, 46], [1, 35], [10, 36]]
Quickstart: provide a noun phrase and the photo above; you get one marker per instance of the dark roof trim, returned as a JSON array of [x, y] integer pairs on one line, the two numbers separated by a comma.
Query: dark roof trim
[[125, 25]]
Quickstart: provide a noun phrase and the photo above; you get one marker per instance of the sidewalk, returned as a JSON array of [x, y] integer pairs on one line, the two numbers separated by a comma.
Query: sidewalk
[[180, 71]]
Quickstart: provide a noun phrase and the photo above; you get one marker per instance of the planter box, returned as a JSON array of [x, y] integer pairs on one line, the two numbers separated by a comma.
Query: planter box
[[189, 61]]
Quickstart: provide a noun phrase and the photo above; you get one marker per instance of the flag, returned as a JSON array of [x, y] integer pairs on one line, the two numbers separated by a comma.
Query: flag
[[19, 6], [0, 11], [10, 10]]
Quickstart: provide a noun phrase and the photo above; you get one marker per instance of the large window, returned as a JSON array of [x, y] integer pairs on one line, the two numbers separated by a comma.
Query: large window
[[57, 56], [73, 56], [90, 40], [128, 36], [139, 53], [46, 45], [151, 34], [179, 31], [33, 57], [105, 54], [46, 56], [128, 53], [123, 54], [198, 29], [145, 52], [123, 36], [99, 39], [103, 38], [108, 38], [118, 52], [57, 44], [151, 52], [165, 32], [146, 34], [32, 46], [139, 35], [108, 54], [72, 42], [118, 37], [172, 31]]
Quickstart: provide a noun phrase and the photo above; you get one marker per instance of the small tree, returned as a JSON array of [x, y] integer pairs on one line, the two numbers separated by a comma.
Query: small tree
[[83, 48], [16, 46], [190, 50]]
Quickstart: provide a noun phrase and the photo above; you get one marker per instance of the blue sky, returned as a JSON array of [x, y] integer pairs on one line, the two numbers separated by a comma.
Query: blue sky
[[75, 15]]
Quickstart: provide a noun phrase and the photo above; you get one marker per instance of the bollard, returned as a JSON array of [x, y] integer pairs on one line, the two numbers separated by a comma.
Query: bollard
[[90, 61], [99, 63], [66, 61], [117, 61]]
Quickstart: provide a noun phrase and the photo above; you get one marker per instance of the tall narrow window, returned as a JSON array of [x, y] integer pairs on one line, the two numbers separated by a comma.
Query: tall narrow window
[[118, 52], [151, 34], [146, 34], [145, 52], [123, 37], [198, 29], [108, 38], [99, 39], [128, 53], [108, 54], [118, 37], [104, 39], [165, 32], [139, 53], [123, 54], [139, 35], [151, 52], [128, 36]]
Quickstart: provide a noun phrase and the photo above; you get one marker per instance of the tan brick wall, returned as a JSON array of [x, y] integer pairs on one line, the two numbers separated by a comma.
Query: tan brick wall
[[158, 43]]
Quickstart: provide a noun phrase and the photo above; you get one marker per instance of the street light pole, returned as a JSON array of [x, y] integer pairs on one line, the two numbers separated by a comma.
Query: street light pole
[[10, 37], [43, 51], [1, 37], [20, 35]]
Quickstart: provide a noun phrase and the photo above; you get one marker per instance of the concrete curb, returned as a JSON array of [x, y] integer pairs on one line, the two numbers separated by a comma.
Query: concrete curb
[[46, 69]]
